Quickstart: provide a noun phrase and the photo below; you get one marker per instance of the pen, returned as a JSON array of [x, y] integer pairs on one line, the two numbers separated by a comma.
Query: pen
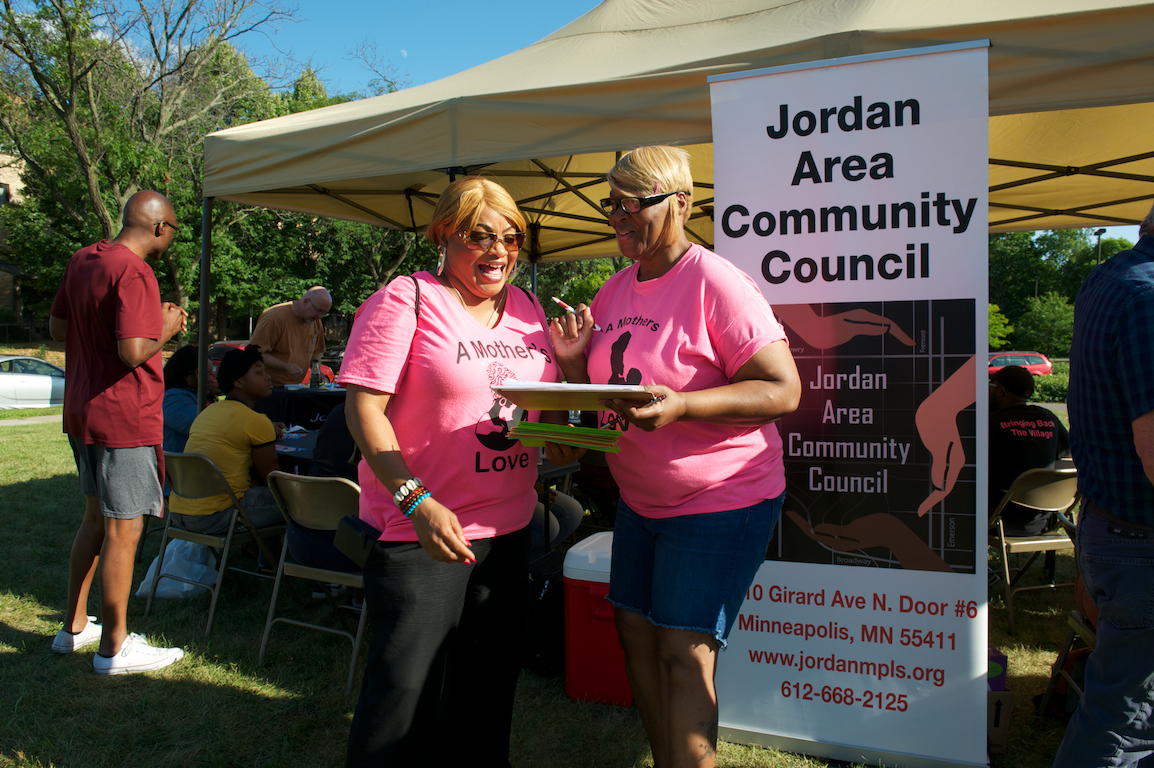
[[618, 418], [572, 311]]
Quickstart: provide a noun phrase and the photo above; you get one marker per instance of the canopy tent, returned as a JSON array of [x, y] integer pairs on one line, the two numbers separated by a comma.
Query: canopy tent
[[1071, 83]]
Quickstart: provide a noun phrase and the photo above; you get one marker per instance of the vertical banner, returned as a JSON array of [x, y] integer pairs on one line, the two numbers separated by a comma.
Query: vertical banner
[[854, 192]]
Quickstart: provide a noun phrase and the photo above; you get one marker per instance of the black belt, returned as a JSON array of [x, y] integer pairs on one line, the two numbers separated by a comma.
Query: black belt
[[1095, 509]]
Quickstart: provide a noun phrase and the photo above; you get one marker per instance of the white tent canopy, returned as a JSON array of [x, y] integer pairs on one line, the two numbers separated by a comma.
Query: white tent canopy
[[1071, 86]]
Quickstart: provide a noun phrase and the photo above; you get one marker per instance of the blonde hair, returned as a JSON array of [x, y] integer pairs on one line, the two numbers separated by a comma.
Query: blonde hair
[[461, 204], [654, 171]]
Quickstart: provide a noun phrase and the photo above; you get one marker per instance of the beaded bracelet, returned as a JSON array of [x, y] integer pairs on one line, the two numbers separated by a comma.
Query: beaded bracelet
[[406, 489], [410, 508], [408, 502]]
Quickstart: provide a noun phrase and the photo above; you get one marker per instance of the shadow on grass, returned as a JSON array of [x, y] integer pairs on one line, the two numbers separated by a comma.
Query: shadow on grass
[[215, 707], [1040, 618]]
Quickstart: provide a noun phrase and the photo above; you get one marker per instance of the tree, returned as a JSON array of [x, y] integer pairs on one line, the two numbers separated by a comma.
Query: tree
[[100, 101], [1000, 328], [132, 84], [1015, 264], [1047, 325], [574, 282], [1025, 265]]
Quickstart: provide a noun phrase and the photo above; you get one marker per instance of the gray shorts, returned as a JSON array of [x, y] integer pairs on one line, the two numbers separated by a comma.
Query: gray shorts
[[126, 481]]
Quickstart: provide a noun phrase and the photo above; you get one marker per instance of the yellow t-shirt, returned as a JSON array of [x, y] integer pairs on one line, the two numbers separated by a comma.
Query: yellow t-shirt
[[225, 432], [283, 335]]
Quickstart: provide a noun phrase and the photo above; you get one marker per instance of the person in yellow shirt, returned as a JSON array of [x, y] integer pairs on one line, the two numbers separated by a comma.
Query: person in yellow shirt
[[241, 442]]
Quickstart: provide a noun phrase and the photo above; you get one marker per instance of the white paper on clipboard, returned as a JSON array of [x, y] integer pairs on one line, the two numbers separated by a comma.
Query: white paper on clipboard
[[546, 396]]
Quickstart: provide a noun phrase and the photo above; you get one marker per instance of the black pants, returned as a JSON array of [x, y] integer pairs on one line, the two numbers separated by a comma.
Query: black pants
[[444, 656]]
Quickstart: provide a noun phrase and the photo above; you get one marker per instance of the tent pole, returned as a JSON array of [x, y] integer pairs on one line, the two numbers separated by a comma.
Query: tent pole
[[534, 252], [202, 331]]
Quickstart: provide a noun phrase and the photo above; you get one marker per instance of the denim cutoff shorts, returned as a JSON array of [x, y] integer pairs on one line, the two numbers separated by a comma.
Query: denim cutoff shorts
[[690, 572]]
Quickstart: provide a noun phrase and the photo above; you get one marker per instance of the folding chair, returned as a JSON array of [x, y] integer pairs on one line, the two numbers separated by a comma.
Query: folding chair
[[1080, 632], [1042, 490], [318, 503], [148, 530], [195, 476]]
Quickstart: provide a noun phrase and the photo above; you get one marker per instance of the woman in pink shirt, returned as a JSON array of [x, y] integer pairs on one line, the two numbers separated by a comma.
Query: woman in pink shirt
[[700, 467], [451, 494]]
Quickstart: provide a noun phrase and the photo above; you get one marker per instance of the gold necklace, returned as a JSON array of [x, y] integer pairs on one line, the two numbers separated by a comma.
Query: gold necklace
[[489, 322]]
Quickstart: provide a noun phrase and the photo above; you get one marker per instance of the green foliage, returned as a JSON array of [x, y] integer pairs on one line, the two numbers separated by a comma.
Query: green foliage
[[1047, 325], [1000, 328], [574, 282], [100, 102], [1052, 388], [1014, 264], [1025, 265]]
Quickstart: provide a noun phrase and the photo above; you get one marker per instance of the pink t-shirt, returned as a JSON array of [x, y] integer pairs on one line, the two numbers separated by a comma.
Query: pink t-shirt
[[690, 329], [451, 427]]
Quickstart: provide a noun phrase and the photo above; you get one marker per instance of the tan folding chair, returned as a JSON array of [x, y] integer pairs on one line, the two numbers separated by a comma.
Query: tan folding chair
[[1042, 490], [318, 503], [1081, 634], [195, 476]]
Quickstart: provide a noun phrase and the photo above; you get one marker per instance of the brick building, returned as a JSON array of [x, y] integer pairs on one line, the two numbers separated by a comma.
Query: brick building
[[11, 306]]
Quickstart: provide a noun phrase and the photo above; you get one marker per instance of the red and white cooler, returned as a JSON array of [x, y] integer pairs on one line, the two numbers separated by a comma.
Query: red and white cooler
[[594, 661]]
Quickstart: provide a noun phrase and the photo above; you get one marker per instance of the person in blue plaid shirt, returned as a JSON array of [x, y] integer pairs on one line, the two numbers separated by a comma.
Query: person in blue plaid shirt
[[1111, 405]]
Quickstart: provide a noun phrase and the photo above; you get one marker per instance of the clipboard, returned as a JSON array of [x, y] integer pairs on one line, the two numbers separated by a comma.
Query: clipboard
[[542, 396]]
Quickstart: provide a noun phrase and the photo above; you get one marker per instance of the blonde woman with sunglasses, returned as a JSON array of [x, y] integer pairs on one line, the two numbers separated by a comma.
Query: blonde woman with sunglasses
[[450, 492], [700, 467]]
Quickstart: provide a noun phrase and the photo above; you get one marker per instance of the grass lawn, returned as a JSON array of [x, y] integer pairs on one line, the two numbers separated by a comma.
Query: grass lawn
[[218, 708], [25, 413]]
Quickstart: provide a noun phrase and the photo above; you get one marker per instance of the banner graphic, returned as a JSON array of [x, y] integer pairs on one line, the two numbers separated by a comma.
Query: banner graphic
[[854, 192]]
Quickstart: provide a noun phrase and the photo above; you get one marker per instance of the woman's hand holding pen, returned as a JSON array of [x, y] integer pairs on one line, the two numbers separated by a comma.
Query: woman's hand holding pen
[[440, 533], [571, 332], [666, 407]]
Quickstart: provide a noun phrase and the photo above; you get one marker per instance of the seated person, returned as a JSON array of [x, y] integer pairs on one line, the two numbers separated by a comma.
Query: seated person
[[1022, 437], [334, 448], [179, 397], [331, 456], [565, 514], [241, 442]]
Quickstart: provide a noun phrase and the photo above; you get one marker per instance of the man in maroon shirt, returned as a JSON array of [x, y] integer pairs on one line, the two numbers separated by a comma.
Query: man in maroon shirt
[[109, 315]]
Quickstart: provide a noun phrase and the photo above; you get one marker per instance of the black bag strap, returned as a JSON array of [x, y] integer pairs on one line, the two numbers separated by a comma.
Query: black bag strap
[[417, 303]]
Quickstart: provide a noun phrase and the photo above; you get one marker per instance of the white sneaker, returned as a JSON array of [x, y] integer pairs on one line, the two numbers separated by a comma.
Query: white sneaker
[[136, 655], [66, 642]]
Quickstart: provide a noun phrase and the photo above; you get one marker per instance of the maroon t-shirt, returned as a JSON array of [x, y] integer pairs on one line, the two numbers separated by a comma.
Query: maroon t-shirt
[[108, 294]]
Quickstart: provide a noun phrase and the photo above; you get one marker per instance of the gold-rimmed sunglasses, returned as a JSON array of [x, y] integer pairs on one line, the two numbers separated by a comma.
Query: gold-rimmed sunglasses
[[479, 240]]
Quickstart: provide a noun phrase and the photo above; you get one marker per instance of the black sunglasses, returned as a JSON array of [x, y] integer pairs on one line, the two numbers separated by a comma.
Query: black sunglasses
[[483, 241], [632, 204]]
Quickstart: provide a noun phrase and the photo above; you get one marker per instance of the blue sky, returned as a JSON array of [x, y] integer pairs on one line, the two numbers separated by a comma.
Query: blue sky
[[424, 39]]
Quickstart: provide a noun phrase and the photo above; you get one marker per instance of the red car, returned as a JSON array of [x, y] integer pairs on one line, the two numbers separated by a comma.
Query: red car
[[1034, 362], [218, 350]]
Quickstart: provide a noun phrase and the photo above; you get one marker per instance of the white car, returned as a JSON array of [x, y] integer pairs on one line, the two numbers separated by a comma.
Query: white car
[[26, 382]]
